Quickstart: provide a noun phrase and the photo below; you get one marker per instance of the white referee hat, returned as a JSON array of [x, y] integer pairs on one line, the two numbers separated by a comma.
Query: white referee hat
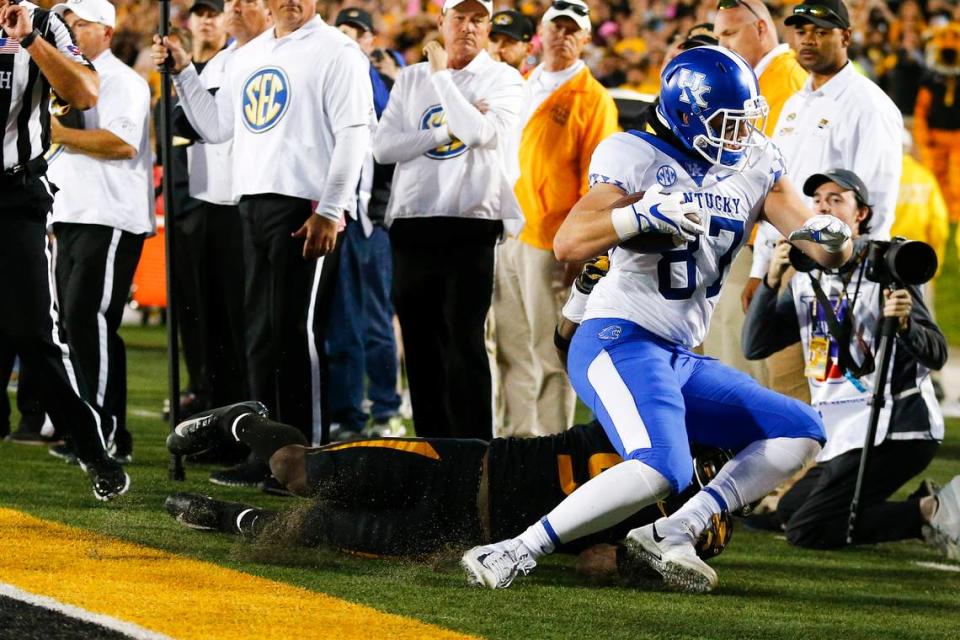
[[450, 4], [90, 10]]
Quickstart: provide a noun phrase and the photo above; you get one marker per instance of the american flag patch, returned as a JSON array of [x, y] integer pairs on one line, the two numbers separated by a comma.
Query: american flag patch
[[9, 45]]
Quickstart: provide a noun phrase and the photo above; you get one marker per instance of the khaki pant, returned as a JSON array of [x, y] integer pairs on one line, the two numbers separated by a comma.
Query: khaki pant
[[528, 295], [783, 371]]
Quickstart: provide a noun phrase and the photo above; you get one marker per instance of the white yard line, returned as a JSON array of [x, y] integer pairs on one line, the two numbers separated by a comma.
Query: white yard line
[[128, 628]]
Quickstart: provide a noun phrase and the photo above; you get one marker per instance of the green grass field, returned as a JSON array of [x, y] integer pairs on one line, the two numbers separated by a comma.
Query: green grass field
[[768, 589], [948, 293]]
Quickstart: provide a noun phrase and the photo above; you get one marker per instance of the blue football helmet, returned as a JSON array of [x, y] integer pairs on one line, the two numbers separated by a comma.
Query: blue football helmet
[[710, 99]]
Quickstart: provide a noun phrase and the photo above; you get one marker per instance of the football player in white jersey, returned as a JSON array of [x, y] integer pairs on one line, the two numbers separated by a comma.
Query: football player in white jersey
[[701, 182]]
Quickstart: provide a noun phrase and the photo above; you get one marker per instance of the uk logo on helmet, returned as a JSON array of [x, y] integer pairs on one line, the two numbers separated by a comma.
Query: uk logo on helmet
[[266, 95], [693, 84]]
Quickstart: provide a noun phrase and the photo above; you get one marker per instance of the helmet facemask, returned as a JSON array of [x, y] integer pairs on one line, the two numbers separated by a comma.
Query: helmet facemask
[[732, 136]]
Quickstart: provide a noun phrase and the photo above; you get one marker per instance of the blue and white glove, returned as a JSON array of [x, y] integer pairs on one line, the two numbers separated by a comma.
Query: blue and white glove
[[829, 232], [659, 213]]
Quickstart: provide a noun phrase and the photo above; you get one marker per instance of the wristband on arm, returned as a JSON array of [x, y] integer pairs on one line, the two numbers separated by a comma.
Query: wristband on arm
[[26, 42]]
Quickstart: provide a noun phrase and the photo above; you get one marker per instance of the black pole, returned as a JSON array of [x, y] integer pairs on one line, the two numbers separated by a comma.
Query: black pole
[[175, 469], [888, 333]]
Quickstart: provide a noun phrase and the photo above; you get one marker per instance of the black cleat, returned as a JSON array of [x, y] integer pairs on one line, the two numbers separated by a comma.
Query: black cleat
[[64, 452], [194, 510], [202, 432], [108, 478], [245, 474], [29, 437]]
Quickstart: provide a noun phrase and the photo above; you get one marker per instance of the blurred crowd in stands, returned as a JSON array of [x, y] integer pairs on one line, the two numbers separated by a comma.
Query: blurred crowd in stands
[[630, 38]]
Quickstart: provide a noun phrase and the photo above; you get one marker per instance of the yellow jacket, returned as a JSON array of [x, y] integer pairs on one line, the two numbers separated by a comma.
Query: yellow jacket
[[921, 212], [555, 151], [779, 79]]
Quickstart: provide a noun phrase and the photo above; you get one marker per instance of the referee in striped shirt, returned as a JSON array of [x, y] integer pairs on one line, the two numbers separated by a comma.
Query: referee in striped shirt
[[37, 53]]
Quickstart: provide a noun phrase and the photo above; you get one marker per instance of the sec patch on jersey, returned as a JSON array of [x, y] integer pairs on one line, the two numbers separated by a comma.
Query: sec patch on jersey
[[266, 96]]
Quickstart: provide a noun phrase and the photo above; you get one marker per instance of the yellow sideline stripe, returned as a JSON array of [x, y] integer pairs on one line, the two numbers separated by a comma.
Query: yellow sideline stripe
[[177, 596]]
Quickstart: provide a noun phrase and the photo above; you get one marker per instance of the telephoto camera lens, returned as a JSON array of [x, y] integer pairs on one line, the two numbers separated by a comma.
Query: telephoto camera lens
[[901, 261]]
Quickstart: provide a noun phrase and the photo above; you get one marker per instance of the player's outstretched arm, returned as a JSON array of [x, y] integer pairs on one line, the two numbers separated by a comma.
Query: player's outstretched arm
[[826, 241]]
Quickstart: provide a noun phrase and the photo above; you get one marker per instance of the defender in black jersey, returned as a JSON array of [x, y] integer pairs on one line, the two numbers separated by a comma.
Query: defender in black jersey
[[414, 496]]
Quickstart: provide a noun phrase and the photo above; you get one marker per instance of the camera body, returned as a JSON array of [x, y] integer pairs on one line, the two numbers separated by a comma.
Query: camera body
[[895, 262]]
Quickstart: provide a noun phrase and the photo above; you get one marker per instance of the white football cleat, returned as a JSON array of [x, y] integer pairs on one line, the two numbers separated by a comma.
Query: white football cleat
[[944, 529], [672, 556], [496, 565]]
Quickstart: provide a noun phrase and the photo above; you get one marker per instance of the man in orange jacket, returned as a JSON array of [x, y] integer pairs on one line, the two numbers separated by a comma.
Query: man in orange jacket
[[567, 113]]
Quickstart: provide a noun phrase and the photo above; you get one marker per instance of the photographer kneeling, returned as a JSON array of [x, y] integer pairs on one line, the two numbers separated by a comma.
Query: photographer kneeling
[[815, 511]]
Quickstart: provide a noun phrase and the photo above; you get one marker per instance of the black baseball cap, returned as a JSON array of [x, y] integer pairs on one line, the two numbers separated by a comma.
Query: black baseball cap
[[829, 14], [355, 18], [216, 5], [512, 24], [846, 179]]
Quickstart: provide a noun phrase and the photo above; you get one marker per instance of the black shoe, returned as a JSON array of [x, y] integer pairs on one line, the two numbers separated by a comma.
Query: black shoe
[[121, 449], [273, 487], [245, 474], [32, 422], [29, 437], [195, 511], [108, 477], [63, 452], [201, 432], [122, 458]]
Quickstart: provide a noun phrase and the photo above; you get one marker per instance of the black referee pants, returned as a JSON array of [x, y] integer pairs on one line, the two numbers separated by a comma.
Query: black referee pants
[[816, 509], [287, 302], [442, 287], [209, 274], [94, 270], [32, 414], [29, 318]]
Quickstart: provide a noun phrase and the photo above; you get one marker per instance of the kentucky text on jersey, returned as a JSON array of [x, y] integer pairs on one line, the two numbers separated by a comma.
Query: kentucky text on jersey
[[707, 200]]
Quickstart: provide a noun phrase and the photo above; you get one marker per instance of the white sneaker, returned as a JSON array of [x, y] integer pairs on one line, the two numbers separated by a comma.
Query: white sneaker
[[944, 529], [496, 565], [672, 556]]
